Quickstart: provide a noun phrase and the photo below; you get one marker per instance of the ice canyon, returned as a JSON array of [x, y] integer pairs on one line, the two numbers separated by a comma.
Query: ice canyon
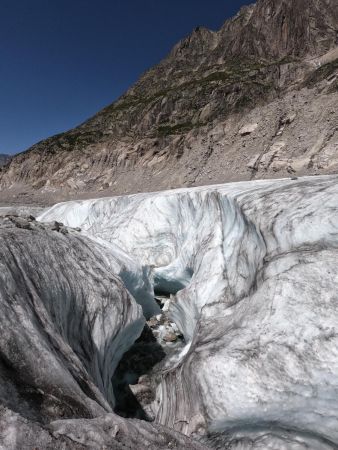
[[248, 275]]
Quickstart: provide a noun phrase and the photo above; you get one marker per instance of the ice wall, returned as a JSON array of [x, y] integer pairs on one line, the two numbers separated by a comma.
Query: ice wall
[[253, 268]]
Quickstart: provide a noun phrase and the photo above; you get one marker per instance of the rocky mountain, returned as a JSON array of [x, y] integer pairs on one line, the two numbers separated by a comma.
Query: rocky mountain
[[255, 99], [4, 159]]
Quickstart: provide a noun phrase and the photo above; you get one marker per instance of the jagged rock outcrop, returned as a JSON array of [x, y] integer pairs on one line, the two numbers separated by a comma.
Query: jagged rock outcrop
[[179, 124], [4, 159], [251, 268]]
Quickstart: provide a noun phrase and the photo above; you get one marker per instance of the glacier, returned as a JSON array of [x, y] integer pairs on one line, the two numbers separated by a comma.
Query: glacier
[[66, 320], [251, 269]]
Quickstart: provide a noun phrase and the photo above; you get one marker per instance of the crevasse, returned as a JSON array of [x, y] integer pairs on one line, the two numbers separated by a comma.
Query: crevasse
[[252, 268]]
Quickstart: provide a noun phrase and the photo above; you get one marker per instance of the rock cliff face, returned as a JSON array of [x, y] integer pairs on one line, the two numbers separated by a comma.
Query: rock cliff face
[[272, 70], [251, 272], [4, 159]]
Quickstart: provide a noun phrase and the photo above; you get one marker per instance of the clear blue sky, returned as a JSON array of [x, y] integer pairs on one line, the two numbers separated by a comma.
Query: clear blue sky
[[63, 60]]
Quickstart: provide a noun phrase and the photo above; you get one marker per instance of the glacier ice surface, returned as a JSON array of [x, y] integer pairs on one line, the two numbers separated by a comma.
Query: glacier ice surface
[[253, 270], [66, 320]]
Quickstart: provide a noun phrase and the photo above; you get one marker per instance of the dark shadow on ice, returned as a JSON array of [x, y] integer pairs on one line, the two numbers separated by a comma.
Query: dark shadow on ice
[[135, 363]]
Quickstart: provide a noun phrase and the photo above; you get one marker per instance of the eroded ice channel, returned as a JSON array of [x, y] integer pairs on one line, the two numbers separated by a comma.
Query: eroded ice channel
[[253, 270]]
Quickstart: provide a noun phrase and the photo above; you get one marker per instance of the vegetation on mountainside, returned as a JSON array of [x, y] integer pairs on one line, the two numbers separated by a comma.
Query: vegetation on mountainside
[[233, 86], [166, 130], [233, 71], [322, 73]]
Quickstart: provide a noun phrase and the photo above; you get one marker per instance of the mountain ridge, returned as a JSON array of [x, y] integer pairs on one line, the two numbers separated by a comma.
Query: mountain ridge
[[164, 131]]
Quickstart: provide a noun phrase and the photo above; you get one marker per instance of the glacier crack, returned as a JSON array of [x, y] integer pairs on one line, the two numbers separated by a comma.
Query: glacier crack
[[251, 271]]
